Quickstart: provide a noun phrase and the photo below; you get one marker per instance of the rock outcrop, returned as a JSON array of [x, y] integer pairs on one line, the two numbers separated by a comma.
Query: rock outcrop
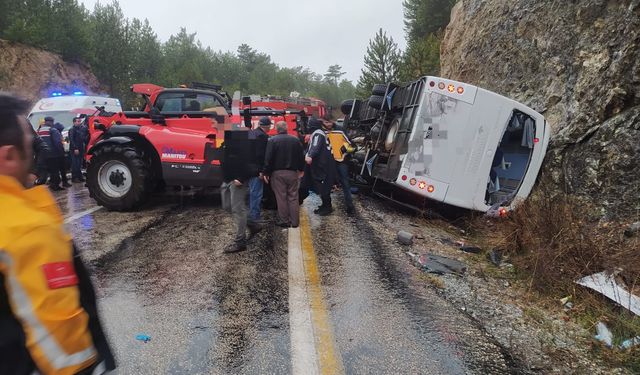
[[578, 63], [34, 73]]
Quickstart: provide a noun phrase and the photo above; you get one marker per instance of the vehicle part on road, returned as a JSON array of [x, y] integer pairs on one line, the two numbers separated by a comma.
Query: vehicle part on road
[[118, 177], [405, 238], [437, 264], [144, 338], [376, 102], [607, 285]]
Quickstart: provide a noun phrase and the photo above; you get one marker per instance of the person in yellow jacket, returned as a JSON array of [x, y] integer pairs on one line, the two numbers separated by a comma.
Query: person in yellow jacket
[[48, 315], [341, 149]]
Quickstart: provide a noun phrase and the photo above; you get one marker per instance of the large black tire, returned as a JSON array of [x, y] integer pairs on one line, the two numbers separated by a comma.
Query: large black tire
[[379, 89], [118, 177], [346, 106], [377, 102]]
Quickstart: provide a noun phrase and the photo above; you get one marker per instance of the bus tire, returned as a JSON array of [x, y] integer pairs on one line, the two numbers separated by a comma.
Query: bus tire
[[346, 106], [379, 89], [376, 102]]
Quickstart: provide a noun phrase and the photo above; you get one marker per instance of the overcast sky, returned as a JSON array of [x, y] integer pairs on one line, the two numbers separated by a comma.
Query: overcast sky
[[309, 33]]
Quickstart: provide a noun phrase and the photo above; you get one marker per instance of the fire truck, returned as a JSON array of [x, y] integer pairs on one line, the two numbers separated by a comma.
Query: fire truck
[[175, 140], [311, 106]]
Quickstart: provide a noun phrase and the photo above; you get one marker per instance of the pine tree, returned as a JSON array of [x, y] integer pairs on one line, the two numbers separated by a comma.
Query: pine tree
[[333, 74], [421, 58], [381, 63]]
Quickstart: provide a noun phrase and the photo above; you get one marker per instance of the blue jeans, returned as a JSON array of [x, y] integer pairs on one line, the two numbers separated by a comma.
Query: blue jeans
[[76, 165], [343, 177], [255, 199]]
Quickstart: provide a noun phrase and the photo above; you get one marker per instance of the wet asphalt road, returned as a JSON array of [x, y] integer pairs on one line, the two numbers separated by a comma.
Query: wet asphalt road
[[161, 272]]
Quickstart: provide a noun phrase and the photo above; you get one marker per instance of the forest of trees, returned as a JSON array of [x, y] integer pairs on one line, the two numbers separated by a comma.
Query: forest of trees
[[424, 24], [122, 51]]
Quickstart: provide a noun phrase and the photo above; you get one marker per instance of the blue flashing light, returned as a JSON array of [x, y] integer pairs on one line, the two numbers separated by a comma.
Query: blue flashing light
[[54, 94], [78, 93]]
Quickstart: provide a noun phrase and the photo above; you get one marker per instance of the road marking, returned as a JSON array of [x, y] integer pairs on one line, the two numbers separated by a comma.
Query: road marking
[[312, 341], [81, 214], [303, 352]]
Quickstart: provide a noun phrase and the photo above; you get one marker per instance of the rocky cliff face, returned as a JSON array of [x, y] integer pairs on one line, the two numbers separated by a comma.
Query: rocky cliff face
[[34, 73], [578, 63]]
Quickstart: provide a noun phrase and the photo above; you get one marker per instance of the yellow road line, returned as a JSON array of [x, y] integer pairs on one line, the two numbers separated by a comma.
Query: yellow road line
[[328, 356]]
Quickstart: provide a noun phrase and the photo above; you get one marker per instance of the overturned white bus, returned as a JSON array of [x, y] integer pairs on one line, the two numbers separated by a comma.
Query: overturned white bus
[[448, 141]]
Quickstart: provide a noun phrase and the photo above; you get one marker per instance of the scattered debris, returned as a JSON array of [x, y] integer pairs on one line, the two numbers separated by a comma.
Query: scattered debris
[[495, 257], [604, 335], [405, 238], [414, 225], [144, 338], [626, 344], [419, 237], [566, 303], [606, 285], [633, 229], [437, 264], [471, 249]]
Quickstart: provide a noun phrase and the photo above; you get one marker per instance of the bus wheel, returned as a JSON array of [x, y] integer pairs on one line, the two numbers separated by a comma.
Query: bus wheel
[[390, 139], [379, 89]]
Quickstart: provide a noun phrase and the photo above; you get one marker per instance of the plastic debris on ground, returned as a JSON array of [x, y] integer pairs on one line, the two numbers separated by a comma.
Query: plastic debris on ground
[[626, 344], [471, 249], [405, 238], [633, 229], [606, 285], [495, 257], [604, 335], [144, 338], [437, 264]]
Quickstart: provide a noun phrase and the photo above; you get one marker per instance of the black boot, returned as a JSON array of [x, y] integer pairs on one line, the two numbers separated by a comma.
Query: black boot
[[236, 247]]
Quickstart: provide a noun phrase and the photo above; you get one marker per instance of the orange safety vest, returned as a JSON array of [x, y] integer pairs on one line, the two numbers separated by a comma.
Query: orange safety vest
[[36, 262], [340, 144]]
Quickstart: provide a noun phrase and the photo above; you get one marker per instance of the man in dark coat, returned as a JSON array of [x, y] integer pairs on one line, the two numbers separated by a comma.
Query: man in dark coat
[[283, 168], [259, 137], [77, 148], [236, 175], [322, 164]]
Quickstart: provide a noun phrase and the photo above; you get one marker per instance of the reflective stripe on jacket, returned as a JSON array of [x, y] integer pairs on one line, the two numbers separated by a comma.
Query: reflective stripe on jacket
[[36, 265]]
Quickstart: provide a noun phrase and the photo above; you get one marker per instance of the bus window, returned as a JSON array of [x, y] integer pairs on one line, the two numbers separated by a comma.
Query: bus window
[[511, 159]]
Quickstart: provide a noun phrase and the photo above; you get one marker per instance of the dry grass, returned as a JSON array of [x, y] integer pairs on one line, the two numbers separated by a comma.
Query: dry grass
[[555, 241]]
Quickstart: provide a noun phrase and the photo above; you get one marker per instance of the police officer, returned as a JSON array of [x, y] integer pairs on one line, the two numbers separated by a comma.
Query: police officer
[[48, 314]]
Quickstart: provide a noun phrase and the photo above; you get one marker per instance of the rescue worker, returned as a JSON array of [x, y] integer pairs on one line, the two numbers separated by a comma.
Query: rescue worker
[[236, 174], [322, 164], [341, 148], [48, 313], [259, 137], [283, 169], [77, 148], [55, 158]]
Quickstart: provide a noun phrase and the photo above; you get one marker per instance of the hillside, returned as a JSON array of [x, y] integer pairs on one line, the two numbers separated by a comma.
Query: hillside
[[34, 73]]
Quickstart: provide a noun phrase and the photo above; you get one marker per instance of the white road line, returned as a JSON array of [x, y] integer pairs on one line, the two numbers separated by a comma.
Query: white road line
[[304, 359], [81, 214]]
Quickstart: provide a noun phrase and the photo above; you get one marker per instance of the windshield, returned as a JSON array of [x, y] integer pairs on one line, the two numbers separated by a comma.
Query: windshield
[[63, 117]]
